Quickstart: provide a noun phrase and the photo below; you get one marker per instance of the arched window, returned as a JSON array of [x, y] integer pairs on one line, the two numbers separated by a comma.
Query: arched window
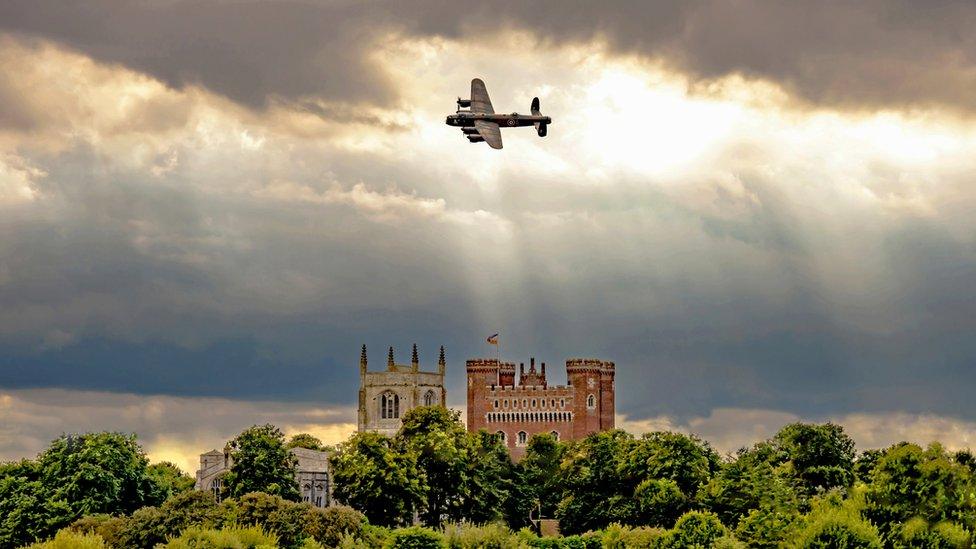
[[525, 403], [501, 436], [562, 403], [390, 405], [591, 402], [215, 488], [555, 434], [430, 399], [506, 403], [522, 438], [496, 404], [533, 403]]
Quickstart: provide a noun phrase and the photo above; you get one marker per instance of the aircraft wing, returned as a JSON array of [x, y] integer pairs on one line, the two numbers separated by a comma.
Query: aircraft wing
[[480, 103], [490, 131]]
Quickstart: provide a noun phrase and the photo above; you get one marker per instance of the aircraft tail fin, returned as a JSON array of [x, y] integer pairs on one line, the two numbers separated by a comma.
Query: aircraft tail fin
[[540, 127]]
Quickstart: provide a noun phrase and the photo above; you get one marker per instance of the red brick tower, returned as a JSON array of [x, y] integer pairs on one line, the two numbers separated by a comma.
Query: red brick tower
[[593, 405], [483, 374]]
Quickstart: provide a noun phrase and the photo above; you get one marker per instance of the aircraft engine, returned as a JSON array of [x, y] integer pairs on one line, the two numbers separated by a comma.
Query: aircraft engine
[[463, 102], [475, 138], [469, 131]]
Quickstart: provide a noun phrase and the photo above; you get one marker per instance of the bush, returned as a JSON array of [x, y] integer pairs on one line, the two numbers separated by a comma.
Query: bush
[[328, 526], [69, 539], [837, 527], [230, 537], [916, 533], [416, 537], [660, 502], [697, 528], [489, 536], [625, 537]]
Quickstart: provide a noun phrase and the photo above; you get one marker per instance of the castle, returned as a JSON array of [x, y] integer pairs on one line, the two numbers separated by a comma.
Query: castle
[[516, 411], [385, 396]]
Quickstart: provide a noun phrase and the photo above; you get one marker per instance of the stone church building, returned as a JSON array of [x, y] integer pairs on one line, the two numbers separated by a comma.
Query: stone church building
[[313, 474], [516, 409], [386, 395]]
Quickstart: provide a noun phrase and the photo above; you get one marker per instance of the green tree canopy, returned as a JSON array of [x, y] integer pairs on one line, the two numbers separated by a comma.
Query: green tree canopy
[[307, 441], [374, 476], [261, 463]]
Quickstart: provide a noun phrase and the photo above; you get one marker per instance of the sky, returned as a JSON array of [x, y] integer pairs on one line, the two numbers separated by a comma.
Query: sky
[[762, 212]]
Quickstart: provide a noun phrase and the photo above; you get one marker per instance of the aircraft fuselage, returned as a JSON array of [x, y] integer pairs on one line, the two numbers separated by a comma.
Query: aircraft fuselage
[[513, 120]]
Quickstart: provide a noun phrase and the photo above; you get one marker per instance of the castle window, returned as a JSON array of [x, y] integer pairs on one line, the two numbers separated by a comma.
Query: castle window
[[522, 438], [501, 436], [555, 435], [533, 403], [525, 403], [591, 402], [506, 403], [496, 403], [562, 403], [515, 403], [430, 399], [389, 405]]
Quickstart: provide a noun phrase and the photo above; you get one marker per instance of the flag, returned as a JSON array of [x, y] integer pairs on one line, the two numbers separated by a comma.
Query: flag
[[493, 339]]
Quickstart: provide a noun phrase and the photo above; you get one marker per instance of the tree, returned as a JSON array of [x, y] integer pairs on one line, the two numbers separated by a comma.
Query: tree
[[377, 478], [262, 463], [660, 502], [536, 479], [467, 475], [908, 482], [26, 512], [820, 456], [305, 440], [593, 491], [754, 480], [97, 473], [686, 460], [169, 480]]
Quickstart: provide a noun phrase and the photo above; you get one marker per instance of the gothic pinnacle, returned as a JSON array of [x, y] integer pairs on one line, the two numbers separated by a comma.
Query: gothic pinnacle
[[413, 358], [389, 360]]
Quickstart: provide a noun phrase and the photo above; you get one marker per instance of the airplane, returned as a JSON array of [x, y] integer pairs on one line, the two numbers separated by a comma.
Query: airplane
[[480, 123]]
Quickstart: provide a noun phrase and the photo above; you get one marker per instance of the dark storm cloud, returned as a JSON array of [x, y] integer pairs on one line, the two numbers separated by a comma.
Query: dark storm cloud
[[852, 54]]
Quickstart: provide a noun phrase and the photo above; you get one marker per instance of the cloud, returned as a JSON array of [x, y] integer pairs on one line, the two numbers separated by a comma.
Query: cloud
[[728, 429], [727, 251], [169, 428], [866, 55]]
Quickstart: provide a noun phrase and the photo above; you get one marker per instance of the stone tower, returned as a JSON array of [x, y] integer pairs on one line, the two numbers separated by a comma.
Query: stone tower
[[386, 396]]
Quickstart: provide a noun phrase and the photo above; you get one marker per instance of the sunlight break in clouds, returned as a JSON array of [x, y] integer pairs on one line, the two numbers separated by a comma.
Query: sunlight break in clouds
[[728, 245]]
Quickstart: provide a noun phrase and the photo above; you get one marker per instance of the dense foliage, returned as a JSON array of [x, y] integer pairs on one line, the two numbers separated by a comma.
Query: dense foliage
[[434, 484]]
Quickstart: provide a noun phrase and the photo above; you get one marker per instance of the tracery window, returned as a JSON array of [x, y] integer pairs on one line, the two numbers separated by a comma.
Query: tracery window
[[555, 435], [522, 438], [390, 405], [215, 487], [430, 399], [501, 436], [591, 401]]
